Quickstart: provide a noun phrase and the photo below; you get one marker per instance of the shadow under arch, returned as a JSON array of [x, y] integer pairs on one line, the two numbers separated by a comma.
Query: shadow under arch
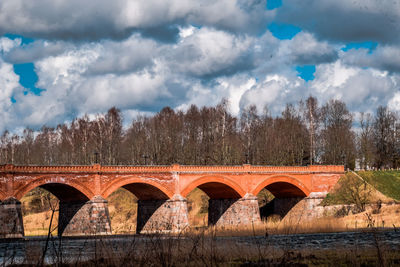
[[152, 198], [288, 191], [71, 200], [223, 193]]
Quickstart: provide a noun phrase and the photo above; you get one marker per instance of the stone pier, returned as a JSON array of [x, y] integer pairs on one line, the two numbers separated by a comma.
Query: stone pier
[[84, 218], [162, 215], [282, 206], [234, 212], [11, 225], [300, 208]]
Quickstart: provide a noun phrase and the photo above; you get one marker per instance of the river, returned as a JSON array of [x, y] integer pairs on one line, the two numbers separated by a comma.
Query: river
[[29, 250]]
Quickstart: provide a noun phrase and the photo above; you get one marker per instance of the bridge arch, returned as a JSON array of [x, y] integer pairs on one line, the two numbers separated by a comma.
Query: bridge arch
[[215, 187], [284, 186], [141, 188], [71, 190]]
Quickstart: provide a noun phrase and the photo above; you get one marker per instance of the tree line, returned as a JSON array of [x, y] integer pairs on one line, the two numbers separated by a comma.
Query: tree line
[[305, 133]]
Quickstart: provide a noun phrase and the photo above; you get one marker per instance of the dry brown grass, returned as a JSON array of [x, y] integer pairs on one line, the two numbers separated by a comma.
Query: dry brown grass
[[272, 226], [38, 223], [388, 217]]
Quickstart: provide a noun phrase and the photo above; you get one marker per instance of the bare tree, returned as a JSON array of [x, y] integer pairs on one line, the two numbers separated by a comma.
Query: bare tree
[[337, 135], [384, 131], [312, 116], [366, 141]]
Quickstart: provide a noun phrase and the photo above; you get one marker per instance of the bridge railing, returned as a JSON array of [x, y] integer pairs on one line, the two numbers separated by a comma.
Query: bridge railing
[[97, 168]]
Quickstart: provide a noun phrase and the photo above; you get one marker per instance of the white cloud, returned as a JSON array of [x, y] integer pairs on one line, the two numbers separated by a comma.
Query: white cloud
[[9, 85], [210, 52], [394, 103], [274, 92], [102, 92], [7, 44], [130, 55], [229, 88], [304, 49], [363, 90]]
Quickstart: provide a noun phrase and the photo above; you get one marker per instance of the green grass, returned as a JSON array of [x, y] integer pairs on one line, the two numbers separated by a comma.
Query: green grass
[[387, 182]]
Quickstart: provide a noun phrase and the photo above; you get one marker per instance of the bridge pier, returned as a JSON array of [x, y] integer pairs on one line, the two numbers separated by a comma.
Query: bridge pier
[[234, 212], [282, 206], [298, 208], [11, 225], [84, 218], [162, 215]]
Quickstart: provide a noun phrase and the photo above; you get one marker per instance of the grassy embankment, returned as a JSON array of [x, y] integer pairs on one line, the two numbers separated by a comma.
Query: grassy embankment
[[368, 198], [379, 187], [387, 182]]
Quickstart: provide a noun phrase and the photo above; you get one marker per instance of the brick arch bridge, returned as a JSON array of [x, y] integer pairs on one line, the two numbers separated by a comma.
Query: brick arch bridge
[[161, 193]]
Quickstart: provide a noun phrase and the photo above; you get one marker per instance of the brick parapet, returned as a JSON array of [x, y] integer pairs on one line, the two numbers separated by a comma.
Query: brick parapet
[[246, 168]]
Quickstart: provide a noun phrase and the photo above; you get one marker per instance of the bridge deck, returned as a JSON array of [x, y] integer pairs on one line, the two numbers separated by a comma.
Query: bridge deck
[[246, 168]]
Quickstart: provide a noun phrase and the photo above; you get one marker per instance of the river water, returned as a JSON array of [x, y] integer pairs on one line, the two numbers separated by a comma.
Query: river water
[[76, 249]]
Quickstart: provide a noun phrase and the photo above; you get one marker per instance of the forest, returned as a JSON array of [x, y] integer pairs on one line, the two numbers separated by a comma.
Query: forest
[[305, 133]]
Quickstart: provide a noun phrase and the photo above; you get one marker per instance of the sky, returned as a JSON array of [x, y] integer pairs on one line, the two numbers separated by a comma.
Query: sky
[[66, 58]]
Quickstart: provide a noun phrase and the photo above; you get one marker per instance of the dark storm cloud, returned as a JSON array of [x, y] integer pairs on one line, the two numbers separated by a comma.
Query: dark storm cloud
[[35, 51], [72, 19], [344, 20], [385, 58], [164, 33], [98, 19]]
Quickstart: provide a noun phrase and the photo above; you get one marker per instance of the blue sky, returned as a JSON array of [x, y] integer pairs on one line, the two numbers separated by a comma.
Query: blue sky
[[141, 56]]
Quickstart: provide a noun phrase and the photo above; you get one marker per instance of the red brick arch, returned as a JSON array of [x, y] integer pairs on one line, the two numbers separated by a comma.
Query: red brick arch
[[53, 180], [281, 179], [113, 186], [213, 179]]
